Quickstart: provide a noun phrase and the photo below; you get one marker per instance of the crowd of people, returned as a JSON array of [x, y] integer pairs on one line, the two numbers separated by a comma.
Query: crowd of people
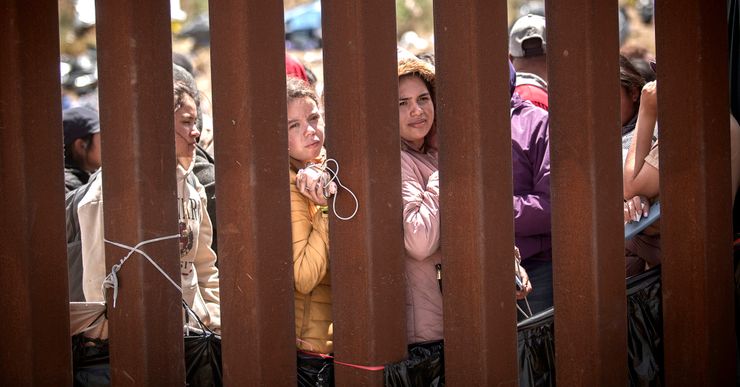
[[312, 184]]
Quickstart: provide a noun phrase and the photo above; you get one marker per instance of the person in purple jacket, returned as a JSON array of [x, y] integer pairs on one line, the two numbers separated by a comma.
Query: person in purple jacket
[[530, 157]]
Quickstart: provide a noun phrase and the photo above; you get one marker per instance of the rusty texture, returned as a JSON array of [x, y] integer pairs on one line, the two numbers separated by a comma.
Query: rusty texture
[[361, 91], [473, 104], [253, 192], [588, 245], [695, 193], [137, 136], [36, 345]]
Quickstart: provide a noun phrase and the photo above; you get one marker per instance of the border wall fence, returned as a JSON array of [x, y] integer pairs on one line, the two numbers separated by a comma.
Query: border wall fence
[[134, 46]]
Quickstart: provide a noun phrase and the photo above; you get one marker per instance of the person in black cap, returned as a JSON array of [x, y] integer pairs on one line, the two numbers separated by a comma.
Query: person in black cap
[[81, 146]]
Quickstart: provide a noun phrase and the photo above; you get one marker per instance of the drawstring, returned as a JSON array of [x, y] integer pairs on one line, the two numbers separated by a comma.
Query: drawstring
[[335, 176]]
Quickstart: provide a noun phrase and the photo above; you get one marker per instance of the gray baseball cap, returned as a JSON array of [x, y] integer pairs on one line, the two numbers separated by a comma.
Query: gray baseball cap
[[526, 28], [79, 122]]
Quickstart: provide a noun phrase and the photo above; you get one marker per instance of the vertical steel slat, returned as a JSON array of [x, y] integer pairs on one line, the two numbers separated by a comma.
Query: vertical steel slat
[[472, 108], [588, 245], [366, 252], [248, 62], [36, 343], [691, 41], [136, 104]]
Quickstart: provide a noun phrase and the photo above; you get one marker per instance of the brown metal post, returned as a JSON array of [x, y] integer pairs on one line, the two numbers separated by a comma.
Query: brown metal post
[[696, 230], [135, 67], [361, 88], [36, 346], [588, 242], [248, 62], [473, 107]]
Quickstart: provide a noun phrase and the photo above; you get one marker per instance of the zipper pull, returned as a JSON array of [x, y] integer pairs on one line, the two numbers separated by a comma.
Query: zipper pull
[[439, 275]]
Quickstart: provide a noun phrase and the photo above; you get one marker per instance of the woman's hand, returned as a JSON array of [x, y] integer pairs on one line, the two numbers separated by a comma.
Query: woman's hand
[[315, 184], [649, 96], [636, 208], [526, 285]]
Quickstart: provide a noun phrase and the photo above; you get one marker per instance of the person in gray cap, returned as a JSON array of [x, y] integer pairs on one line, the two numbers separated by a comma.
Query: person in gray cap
[[81, 146], [527, 51]]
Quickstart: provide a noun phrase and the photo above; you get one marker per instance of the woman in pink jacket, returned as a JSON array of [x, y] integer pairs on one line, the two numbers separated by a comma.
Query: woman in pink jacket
[[420, 195], [420, 190]]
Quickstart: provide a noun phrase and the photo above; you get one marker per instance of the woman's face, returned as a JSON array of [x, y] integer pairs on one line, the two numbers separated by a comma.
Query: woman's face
[[305, 129], [627, 104], [185, 131], [415, 110]]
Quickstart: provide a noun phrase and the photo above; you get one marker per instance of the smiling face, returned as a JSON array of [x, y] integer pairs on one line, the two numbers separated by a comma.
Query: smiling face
[[305, 129], [185, 131], [415, 110]]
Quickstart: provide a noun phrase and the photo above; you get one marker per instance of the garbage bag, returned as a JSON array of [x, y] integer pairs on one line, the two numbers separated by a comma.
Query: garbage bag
[[315, 371], [645, 329], [203, 360], [425, 366], [536, 350], [91, 361], [536, 337]]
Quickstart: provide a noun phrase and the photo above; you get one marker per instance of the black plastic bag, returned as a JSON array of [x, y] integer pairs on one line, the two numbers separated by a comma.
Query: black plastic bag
[[202, 353], [203, 360], [315, 371], [536, 350], [91, 362], [645, 329], [425, 366]]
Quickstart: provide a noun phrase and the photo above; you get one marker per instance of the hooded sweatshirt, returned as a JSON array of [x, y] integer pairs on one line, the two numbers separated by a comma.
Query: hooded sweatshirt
[[198, 272], [421, 226]]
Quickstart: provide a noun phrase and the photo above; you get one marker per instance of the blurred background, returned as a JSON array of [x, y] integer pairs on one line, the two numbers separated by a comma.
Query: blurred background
[[190, 37]]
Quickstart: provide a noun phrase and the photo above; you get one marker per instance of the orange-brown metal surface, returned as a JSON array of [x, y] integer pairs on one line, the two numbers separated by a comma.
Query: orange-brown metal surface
[[473, 107], [586, 191], [248, 61], [696, 233], [361, 94], [36, 344], [139, 173]]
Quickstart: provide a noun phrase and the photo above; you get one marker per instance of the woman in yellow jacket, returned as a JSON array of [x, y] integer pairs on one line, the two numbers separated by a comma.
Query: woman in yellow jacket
[[310, 188]]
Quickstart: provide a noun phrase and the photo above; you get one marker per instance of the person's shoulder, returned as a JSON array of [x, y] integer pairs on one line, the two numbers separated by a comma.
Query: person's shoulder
[[74, 178], [94, 194], [533, 94], [525, 108]]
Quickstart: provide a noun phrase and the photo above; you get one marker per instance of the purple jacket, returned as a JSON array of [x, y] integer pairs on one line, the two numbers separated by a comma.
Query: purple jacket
[[530, 156]]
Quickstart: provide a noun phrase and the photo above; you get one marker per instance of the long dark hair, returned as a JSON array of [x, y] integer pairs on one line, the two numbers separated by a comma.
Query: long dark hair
[[630, 79], [183, 84]]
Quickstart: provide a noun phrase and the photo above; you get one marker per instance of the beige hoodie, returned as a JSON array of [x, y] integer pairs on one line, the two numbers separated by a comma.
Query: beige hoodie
[[199, 275]]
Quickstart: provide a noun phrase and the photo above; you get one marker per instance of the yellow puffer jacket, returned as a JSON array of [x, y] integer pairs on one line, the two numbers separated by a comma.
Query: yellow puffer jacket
[[313, 319]]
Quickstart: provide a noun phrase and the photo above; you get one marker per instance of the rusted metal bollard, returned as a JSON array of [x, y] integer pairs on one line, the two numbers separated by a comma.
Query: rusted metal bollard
[[696, 229], [135, 67], [248, 61], [586, 178], [36, 343], [366, 252], [476, 191]]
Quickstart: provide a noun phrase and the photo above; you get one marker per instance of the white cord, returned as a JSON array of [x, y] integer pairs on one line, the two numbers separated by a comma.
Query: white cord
[[335, 176], [526, 302], [111, 280]]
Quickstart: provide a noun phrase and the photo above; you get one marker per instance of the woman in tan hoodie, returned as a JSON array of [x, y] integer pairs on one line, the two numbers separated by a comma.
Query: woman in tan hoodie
[[309, 191]]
